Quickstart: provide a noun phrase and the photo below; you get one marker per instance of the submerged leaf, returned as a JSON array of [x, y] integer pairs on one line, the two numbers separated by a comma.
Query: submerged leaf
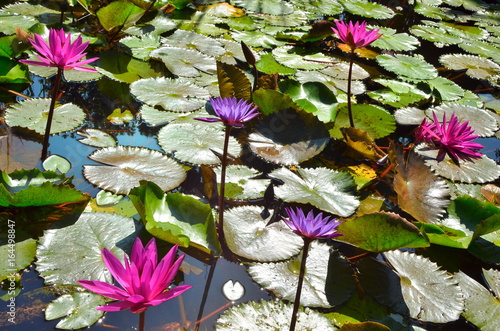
[[127, 166]]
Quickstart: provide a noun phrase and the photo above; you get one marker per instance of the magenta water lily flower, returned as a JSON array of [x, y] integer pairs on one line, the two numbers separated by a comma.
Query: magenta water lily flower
[[60, 52], [355, 35], [452, 138], [144, 282], [231, 111], [311, 226]]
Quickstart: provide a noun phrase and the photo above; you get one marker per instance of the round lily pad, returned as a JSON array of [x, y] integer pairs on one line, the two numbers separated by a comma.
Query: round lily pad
[[184, 62], [411, 67], [32, 114], [248, 235], [96, 138], [475, 66], [241, 184], [127, 166]]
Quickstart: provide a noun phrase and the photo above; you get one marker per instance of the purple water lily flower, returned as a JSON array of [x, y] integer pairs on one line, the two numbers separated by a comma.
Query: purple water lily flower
[[311, 226], [231, 111], [452, 138], [144, 282], [355, 35], [60, 52]]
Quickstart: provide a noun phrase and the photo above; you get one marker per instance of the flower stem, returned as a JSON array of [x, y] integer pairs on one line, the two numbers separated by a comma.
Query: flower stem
[[55, 91], [349, 78], [223, 183], [142, 319], [296, 304]]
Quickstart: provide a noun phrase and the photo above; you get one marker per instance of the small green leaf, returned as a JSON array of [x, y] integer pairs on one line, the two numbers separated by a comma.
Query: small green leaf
[[270, 101], [56, 163], [119, 14], [380, 232], [80, 309], [24, 254]]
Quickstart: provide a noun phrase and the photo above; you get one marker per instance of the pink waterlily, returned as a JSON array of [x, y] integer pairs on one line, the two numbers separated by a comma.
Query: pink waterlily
[[144, 282], [355, 35], [231, 111], [60, 52], [452, 138], [311, 226]]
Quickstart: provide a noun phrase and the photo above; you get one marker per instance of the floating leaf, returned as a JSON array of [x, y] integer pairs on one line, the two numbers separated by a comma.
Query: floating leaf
[[117, 117], [272, 7], [324, 188], [184, 62], [119, 14], [430, 293], [176, 218], [282, 277], [195, 143], [299, 58], [240, 183], [257, 39], [420, 192], [56, 163], [178, 95], [391, 40], [193, 41], [141, 46], [32, 114], [248, 235], [288, 137], [481, 307], [79, 307], [411, 67], [104, 198], [375, 120], [399, 94], [379, 232], [265, 315], [475, 66], [482, 170], [367, 9], [24, 254], [85, 239], [447, 89], [96, 138], [127, 166], [269, 65], [233, 291], [270, 101], [435, 34]]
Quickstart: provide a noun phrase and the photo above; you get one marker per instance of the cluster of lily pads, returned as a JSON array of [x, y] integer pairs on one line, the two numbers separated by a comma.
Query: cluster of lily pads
[[411, 219]]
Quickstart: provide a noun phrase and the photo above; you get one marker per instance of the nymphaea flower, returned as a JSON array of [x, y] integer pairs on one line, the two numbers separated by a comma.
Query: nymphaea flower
[[144, 281], [60, 52], [231, 111], [355, 35], [452, 138], [311, 226]]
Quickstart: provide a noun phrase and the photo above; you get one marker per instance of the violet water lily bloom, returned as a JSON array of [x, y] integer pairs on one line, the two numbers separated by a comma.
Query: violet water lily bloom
[[144, 282], [355, 35], [231, 111], [311, 226], [60, 52], [452, 138]]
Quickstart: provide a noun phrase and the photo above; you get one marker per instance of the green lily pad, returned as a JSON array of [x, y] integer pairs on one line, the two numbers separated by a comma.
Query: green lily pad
[[446, 89], [379, 232], [178, 95], [391, 40], [257, 39], [248, 235], [119, 14], [85, 239], [282, 277], [240, 182], [324, 188], [299, 58], [32, 114], [79, 307], [398, 94], [367, 9], [275, 315], [375, 120], [481, 307], [435, 34], [411, 67], [475, 66], [267, 64], [24, 254], [124, 68], [195, 143], [184, 62], [127, 166], [176, 218], [96, 138], [272, 7], [141, 46], [56, 163], [193, 41], [429, 292], [288, 137]]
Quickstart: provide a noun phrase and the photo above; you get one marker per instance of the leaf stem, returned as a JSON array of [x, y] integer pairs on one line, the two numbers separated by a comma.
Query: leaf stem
[[51, 113], [349, 78], [296, 304]]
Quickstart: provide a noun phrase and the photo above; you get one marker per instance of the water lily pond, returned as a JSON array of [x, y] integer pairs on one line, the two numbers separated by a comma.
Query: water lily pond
[[242, 131]]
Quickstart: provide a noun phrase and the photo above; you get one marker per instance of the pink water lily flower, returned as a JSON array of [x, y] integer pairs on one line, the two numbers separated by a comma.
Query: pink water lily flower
[[355, 35], [231, 111], [144, 282], [311, 226], [452, 138], [60, 52]]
